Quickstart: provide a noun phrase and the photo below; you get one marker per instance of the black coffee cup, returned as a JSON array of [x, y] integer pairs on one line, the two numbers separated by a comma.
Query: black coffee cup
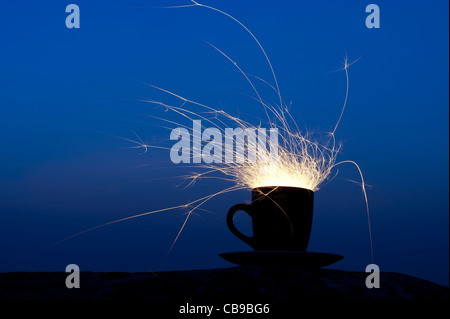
[[281, 218]]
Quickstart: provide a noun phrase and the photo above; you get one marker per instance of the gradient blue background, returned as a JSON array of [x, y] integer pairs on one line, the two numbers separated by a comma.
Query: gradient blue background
[[66, 93]]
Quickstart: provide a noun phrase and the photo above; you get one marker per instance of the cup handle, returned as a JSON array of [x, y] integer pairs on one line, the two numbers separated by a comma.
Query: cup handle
[[246, 208]]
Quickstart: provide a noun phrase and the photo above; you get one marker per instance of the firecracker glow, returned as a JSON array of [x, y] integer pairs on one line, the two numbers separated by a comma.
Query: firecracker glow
[[301, 160]]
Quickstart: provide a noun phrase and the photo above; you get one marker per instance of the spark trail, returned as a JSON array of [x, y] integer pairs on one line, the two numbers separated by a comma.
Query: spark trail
[[302, 161]]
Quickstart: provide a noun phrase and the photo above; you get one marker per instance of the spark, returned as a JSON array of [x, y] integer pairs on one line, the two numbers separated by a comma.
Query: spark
[[302, 161]]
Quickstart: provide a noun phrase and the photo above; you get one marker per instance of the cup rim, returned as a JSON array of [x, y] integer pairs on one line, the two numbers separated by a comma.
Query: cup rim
[[283, 187]]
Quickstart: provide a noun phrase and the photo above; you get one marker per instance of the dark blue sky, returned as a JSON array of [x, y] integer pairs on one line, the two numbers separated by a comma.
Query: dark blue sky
[[66, 93]]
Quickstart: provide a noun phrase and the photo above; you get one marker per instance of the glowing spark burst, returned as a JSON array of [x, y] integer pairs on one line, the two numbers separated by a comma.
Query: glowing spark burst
[[302, 161]]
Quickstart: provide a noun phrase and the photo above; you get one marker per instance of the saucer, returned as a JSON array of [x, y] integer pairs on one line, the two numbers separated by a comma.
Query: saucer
[[301, 259]]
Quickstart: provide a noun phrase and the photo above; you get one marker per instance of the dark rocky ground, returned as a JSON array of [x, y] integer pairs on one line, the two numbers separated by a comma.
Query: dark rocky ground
[[288, 292], [237, 284]]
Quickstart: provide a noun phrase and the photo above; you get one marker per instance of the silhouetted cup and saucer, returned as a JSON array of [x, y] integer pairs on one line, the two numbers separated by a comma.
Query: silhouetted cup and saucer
[[281, 222]]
